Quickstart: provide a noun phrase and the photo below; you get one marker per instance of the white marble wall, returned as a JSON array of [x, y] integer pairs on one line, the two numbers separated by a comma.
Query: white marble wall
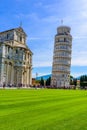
[[15, 59]]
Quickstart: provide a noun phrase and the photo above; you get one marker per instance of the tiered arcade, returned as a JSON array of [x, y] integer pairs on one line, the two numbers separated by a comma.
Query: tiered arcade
[[62, 57]]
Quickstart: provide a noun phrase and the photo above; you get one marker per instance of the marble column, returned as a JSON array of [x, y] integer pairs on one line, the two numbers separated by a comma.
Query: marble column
[[12, 75], [29, 76]]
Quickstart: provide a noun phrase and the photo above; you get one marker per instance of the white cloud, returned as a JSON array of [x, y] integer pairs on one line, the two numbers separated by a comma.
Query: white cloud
[[39, 74], [51, 19], [80, 61], [42, 60], [38, 4], [74, 14], [42, 64], [38, 38], [77, 74], [32, 16], [80, 37]]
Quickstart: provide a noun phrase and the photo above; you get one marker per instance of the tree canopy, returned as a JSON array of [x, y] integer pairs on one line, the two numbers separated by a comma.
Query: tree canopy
[[83, 81]]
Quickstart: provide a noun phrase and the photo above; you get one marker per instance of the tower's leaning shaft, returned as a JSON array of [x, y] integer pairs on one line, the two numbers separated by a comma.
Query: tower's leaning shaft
[[62, 57]]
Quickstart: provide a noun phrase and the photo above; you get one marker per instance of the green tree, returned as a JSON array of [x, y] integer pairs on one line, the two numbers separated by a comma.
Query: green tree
[[75, 82], [71, 80], [83, 81], [42, 81], [48, 81]]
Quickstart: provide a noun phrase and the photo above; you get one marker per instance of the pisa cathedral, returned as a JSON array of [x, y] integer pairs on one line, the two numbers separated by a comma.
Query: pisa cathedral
[[15, 58]]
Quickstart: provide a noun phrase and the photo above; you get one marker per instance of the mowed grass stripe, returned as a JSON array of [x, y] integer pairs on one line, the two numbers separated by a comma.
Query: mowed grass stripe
[[41, 104], [42, 109]]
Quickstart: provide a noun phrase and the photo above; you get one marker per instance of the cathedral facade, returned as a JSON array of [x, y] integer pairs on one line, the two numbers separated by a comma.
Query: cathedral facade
[[15, 58]]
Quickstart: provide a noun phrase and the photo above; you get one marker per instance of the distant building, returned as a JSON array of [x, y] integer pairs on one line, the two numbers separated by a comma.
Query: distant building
[[62, 57], [33, 81], [15, 58]]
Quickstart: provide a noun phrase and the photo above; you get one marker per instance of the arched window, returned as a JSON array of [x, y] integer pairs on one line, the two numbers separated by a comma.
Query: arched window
[[20, 38], [16, 51]]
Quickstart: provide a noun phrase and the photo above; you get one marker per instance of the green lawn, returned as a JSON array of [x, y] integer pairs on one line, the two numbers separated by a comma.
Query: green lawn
[[43, 109]]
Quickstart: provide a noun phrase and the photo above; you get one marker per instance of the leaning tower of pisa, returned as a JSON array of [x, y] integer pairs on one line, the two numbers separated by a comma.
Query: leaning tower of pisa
[[62, 57]]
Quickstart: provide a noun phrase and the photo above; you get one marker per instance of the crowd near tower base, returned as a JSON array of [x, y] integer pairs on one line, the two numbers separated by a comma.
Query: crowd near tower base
[[62, 58]]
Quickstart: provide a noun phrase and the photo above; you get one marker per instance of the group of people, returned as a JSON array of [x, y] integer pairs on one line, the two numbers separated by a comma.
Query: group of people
[[14, 85]]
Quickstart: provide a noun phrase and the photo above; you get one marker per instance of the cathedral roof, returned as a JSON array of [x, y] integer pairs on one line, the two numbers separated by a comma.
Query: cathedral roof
[[19, 29]]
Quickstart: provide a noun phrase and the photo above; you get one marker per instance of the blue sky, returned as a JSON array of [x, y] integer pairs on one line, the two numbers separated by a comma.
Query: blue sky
[[40, 19]]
